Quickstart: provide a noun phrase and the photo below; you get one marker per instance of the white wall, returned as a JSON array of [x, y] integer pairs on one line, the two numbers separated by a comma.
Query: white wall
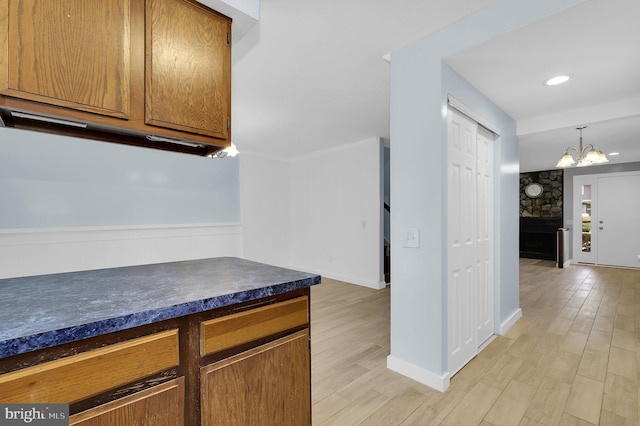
[[52, 181], [69, 204], [336, 222], [319, 213], [419, 87], [264, 191], [36, 251]]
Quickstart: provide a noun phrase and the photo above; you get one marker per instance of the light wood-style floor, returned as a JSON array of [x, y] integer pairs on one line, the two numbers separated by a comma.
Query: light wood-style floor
[[572, 359]]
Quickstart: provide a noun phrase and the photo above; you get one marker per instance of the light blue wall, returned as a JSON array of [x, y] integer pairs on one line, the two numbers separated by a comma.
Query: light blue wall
[[57, 181], [419, 84]]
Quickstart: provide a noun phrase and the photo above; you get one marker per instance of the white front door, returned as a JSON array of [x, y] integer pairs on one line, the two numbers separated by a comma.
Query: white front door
[[618, 220], [469, 239]]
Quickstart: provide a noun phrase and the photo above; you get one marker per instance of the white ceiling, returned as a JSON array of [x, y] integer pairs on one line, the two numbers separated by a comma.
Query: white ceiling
[[598, 43], [311, 76]]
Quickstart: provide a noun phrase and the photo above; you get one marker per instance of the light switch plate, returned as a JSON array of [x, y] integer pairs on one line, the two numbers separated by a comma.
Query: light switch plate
[[411, 238]]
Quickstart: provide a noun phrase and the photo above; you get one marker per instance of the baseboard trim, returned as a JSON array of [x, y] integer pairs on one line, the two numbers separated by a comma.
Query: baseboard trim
[[510, 321], [379, 285], [434, 381]]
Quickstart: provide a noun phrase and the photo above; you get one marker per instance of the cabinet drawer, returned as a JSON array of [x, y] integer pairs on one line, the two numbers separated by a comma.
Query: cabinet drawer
[[160, 405], [79, 376], [226, 332]]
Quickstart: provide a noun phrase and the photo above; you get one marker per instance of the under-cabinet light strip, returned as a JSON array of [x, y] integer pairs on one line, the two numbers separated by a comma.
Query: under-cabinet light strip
[[154, 138], [47, 119]]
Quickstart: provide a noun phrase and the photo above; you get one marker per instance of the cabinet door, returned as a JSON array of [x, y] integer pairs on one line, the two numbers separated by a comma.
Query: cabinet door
[[160, 405], [72, 53], [269, 385], [188, 68]]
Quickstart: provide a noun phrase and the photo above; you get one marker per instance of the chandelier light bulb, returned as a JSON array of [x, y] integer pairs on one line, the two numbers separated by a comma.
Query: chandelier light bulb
[[587, 155]]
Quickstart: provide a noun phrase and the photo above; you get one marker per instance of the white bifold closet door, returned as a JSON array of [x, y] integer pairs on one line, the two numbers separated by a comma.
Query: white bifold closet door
[[470, 283]]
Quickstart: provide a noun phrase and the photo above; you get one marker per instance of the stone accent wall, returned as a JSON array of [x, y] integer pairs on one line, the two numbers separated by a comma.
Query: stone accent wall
[[549, 204]]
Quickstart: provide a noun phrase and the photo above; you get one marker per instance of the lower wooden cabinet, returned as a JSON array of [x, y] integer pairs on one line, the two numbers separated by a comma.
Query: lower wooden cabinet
[[239, 365], [160, 405], [268, 385]]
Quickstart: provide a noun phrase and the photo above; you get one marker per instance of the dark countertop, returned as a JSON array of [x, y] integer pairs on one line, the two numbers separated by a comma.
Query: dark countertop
[[47, 310]]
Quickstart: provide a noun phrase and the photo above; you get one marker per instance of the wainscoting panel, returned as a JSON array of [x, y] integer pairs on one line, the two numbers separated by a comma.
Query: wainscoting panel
[[25, 252]]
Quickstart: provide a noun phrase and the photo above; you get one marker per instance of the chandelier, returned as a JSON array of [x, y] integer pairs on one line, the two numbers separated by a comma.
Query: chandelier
[[587, 155]]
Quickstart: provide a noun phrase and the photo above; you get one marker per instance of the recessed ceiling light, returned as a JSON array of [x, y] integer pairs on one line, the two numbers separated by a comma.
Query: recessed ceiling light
[[559, 79], [614, 153]]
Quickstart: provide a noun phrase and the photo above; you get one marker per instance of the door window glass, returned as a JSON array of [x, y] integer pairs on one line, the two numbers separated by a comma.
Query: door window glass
[[586, 218]]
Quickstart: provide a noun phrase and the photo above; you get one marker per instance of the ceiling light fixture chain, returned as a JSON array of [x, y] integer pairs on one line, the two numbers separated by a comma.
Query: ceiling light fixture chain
[[588, 155]]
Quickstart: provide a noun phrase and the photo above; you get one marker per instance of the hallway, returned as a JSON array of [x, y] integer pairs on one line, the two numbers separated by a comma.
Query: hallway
[[572, 359]]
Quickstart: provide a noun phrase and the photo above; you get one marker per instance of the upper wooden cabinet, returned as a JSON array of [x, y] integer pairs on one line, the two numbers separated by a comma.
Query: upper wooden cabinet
[[152, 73], [188, 68], [73, 54]]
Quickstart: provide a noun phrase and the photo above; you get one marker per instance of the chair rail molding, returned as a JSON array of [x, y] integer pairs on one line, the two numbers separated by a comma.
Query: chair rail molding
[[38, 251]]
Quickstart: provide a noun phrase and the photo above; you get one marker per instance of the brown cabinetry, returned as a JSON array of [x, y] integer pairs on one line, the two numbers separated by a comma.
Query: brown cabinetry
[[76, 377], [237, 329], [244, 364], [73, 54], [268, 385], [187, 68], [160, 405], [142, 72]]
